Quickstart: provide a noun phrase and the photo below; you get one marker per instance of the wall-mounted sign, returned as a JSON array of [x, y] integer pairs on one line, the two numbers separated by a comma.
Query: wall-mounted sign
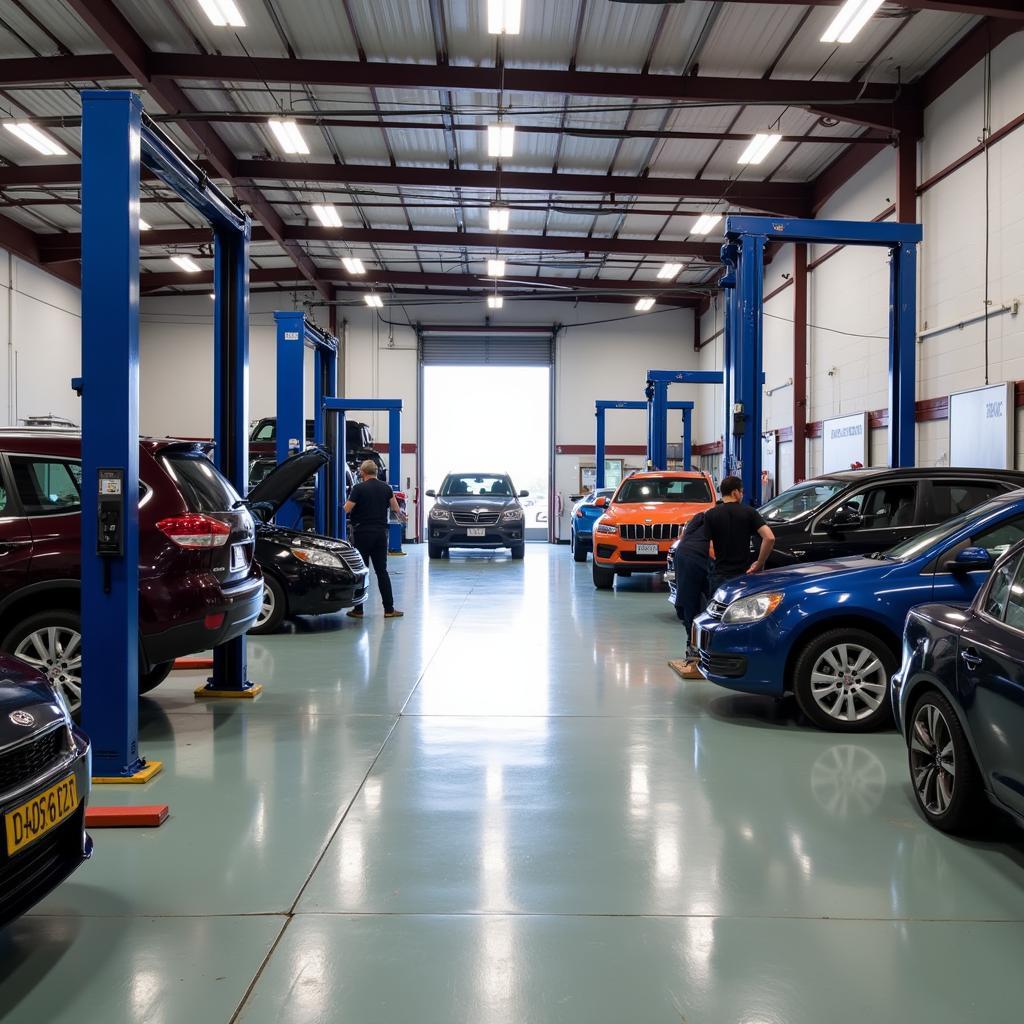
[[981, 427], [844, 442]]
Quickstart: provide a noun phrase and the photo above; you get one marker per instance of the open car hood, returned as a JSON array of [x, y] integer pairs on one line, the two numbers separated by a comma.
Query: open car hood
[[281, 483]]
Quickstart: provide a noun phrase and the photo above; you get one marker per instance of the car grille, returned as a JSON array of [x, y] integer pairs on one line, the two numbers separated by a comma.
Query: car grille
[[649, 531], [731, 666], [475, 518], [353, 560], [30, 760]]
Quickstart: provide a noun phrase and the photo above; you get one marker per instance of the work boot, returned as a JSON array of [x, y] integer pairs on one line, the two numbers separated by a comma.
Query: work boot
[[393, 614], [355, 613]]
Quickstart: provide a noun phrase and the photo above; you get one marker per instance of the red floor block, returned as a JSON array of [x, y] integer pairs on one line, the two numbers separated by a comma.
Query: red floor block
[[126, 817], [186, 663]]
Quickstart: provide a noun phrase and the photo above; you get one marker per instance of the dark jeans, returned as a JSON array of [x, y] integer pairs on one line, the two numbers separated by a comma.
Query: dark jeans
[[373, 546], [691, 590]]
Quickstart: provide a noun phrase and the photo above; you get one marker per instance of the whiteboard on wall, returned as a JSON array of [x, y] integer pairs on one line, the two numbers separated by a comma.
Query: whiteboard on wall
[[981, 427], [844, 442]]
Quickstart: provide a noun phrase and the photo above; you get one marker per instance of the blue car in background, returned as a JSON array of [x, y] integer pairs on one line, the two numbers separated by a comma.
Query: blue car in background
[[830, 632], [959, 700], [584, 514]]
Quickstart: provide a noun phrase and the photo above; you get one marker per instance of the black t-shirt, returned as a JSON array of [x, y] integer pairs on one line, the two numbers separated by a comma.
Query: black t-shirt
[[729, 527], [371, 500]]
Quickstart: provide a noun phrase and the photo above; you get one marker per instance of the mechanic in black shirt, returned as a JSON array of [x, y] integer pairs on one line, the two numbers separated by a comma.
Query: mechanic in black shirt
[[692, 566], [367, 507], [730, 527]]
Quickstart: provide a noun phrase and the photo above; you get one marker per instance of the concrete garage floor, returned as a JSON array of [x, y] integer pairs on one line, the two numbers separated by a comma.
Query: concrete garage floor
[[506, 808]]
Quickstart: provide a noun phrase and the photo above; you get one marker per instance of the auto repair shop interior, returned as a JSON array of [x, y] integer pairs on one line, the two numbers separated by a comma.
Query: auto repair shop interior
[[392, 389]]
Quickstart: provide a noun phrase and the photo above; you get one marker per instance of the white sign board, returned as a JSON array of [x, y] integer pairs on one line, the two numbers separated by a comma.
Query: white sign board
[[769, 462], [844, 442], [981, 426]]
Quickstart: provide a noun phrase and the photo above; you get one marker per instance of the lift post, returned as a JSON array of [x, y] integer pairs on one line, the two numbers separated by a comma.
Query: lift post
[[393, 407], [295, 333], [602, 407], [658, 406], [118, 140], [743, 258]]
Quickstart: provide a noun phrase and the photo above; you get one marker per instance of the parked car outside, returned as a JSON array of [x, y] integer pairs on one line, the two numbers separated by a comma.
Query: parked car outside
[[304, 573], [641, 520], [829, 632], [199, 585], [45, 775], [584, 514], [476, 510], [959, 696]]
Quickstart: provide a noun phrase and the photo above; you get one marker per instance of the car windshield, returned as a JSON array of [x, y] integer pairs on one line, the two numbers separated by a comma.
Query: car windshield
[[798, 501], [479, 485], [921, 542], [664, 488]]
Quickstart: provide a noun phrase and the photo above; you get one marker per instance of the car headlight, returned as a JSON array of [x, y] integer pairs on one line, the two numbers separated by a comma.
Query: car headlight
[[752, 609], [512, 513], [317, 556], [439, 513], [605, 528]]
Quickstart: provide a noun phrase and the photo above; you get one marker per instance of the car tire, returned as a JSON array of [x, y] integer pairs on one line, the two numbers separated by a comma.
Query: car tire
[[435, 550], [518, 551], [155, 676], [274, 609], [67, 627], [947, 787], [579, 551], [604, 579], [861, 664]]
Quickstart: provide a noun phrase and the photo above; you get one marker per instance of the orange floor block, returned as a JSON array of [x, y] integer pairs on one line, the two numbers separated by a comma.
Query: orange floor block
[[186, 663], [126, 817]]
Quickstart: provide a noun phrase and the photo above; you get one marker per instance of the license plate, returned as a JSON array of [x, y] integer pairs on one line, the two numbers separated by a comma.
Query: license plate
[[34, 818], [647, 549], [476, 531], [238, 557]]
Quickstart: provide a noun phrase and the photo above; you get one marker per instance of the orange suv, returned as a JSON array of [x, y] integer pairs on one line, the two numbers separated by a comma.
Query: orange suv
[[647, 513]]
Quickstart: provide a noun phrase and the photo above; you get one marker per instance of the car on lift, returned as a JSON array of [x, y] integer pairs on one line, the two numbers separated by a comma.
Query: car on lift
[[959, 701], [582, 518], [476, 510], [199, 585], [358, 443], [830, 632], [45, 775], [303, 573]]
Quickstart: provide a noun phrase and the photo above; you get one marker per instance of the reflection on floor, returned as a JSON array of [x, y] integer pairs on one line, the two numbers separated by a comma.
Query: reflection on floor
[[505, 807]]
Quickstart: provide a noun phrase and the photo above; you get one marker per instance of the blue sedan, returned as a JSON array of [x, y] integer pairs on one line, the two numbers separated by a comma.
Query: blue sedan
[[959, 699], [584, 514], [830, 632]]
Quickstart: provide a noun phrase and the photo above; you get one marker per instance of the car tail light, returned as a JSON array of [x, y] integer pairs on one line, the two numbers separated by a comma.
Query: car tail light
[[214, 621], [195, 531]]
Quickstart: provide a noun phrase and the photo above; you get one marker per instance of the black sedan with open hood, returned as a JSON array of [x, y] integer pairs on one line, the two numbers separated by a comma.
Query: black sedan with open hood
[[476, 510]]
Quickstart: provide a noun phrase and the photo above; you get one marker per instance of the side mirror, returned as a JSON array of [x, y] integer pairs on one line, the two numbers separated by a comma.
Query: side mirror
[[431, 494], [843, 518], [601, 502], [524, 494], [970, 560]]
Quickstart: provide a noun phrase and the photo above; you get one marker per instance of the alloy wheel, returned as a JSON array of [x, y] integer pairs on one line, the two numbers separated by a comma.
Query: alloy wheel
[[932, 759], [56, 651], [848, 682], [268, 606]]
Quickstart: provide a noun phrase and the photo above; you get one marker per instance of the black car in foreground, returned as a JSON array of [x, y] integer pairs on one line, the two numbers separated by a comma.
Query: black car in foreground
[[45, 774], [476, 510], [303, 573], [959, 699]]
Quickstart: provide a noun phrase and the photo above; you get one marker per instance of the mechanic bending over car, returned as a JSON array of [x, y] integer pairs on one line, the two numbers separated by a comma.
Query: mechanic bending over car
[[730, 526], [367, 506], [691, 563]]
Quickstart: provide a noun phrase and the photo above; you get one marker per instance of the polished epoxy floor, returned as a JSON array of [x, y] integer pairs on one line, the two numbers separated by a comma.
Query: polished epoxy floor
[[506, 808]]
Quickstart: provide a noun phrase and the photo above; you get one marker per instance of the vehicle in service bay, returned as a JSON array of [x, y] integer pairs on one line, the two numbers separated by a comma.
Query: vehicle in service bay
[[582, 518], [959, 698], [829, 632], [476, 510]]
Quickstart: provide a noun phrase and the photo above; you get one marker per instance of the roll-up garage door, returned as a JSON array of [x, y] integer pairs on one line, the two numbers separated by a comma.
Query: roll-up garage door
[[483, 349]]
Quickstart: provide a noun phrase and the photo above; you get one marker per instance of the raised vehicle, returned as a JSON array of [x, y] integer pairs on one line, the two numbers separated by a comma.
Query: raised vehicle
[[584, 514], [358, 443], [641, 520], [476, 510], [959, 698], [45, 775], [829, 632]]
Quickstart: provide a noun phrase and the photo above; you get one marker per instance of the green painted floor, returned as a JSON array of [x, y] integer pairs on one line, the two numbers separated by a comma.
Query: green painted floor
[[505, 808]]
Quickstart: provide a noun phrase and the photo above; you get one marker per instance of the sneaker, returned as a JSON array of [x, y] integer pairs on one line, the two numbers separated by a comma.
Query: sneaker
[[393, 614], [355, 613]]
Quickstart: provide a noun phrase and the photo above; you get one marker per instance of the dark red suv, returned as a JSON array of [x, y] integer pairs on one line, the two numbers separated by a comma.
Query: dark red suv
[[198, 583]]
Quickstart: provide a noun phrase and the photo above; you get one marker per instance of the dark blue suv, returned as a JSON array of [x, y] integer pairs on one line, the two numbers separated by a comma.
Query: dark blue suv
[[830, 632]]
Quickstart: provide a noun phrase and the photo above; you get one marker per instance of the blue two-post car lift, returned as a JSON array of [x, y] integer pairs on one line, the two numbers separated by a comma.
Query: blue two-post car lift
[[658, 407], [602, 406], [743, 282], [118, 140]]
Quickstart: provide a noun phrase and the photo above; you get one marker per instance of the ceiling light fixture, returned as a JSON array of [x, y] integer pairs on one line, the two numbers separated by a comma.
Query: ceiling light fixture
[[353, 264], [495, 268], [705, 223], [288, 136], [498, 217], [501, 139], [852, 17], [373, 300], [32, 136], [223, 13], [327, 214], [668, 271], [495, 301], [644, 304], [504, 17], [187, 263], [759, 147]]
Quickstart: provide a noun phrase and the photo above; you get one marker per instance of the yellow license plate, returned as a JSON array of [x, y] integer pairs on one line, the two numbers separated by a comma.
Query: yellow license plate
[[34, 818]]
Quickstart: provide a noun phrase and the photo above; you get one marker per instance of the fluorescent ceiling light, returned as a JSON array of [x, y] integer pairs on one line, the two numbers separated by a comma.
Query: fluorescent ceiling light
[[495, 301], [504, 17], [374, 301], [143, 226], [353, 264], [669, 270], [644, 304], [328, 215], [705, 223], [500, 139], [213, 295], [32, 136], [498, 217], [852, 17], [759, 147], [223, 13], [495, 268], [288, 136], [187, 263]]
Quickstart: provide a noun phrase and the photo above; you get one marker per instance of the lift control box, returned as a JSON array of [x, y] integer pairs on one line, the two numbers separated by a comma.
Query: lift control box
[[110, 513]]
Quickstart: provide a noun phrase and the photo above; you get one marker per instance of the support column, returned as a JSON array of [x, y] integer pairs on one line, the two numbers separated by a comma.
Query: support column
[[902, 354], [799, 362], [745, 435], [325, 378], [397, 530], [291, 406], [599, 450], [687, 439]]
